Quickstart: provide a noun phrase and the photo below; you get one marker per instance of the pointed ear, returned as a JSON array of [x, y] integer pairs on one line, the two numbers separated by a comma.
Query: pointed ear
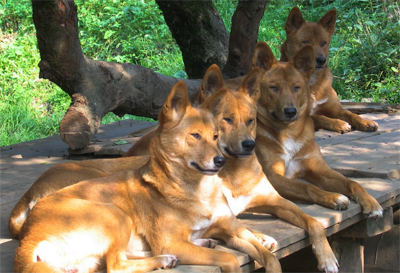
[[212, 81], [303, 61], [175, 106], [251, 84], [294, 21], [262, 57], [328, 21]]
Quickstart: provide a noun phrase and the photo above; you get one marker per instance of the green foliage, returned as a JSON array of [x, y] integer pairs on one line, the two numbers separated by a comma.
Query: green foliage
[[364, 57]]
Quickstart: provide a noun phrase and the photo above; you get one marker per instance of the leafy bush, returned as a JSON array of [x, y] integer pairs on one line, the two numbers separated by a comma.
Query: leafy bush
[[365, 52]]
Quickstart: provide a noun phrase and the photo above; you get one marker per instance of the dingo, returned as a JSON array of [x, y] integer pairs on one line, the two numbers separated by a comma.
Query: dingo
[[245, 185], [165, 207], [327, 111], [286, 147]]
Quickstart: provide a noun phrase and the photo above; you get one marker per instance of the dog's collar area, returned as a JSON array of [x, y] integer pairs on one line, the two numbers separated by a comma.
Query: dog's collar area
[[203, 171]]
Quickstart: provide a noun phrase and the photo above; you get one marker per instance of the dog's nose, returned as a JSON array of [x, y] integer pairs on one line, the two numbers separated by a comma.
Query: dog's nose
[[248, 145], [290, 112], [321, 60], [219, 161]]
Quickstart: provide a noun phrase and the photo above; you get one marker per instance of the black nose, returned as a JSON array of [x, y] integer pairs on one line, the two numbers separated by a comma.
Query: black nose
[[248, 145], [219, 161], [321, 60], [290, 112]]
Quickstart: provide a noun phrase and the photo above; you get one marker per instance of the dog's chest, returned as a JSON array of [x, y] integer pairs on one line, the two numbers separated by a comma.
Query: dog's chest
[[292, 162]]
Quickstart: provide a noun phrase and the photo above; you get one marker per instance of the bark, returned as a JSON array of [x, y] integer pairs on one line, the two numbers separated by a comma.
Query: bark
[[243, 37], [199, 32], [95, 87]]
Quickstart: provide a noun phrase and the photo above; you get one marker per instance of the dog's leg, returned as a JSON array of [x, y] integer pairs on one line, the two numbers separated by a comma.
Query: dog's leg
[[117, 262], [267, 241], [209, 243], [299, 191], [330, 124], [334, 109], [238, 237], [320, 174], [273, 203], [189, 253]]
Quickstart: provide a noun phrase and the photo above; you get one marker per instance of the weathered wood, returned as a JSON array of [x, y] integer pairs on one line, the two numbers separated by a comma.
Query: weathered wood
[[370, 107], [370, 227], [199, 32], [243, 37], [95, 87], [349, 253]]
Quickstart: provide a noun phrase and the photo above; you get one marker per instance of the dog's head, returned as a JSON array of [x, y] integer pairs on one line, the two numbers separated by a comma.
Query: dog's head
[[188, 135], [284, 85], [300, 33], [235, 111]]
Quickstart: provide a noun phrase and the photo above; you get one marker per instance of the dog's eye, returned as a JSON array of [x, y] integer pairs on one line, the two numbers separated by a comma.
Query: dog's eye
[[274, 88], [229, 120], [306, 42], [250, 121], [323, 44], [215, 137], [296, 89], [196, 136]]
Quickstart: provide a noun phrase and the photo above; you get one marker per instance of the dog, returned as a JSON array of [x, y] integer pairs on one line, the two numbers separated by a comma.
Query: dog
[[244, 184], [327, 111], [285, 141], [94, 223]]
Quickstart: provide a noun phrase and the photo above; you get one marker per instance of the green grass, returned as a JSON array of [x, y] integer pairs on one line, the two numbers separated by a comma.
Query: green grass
[[364, 56]]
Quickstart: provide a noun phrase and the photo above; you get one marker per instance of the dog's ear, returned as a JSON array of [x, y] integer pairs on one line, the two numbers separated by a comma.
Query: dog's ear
[[212, 81], [175, 106], [303, 61], [262, 57], [328, 21], [294, 21], [251, 84]]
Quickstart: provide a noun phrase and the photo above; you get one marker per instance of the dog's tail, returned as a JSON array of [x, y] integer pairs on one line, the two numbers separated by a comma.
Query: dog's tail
[[19, 214], [25, 262]]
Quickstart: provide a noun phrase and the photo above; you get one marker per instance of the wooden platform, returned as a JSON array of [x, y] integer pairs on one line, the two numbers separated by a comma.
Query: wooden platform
[[373, 159]]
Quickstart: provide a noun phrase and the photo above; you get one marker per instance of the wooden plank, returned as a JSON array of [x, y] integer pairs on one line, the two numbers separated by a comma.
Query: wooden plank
[[376, 156], [370, 107], [349, 253], [370, 227]]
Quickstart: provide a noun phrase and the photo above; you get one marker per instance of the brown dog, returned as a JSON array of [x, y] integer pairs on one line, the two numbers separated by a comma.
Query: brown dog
[[95, 222], [327, 111], [245, 184], [286, 147]]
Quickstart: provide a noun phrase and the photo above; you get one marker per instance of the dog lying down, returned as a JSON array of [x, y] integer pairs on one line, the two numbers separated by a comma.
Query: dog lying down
[[168, 206]]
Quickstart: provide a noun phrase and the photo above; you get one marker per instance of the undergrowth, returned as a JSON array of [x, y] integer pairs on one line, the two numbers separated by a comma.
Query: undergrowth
[[364, 56]]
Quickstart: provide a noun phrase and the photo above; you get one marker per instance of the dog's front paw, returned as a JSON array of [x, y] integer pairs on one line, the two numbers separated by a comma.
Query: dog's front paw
[[337, 201], [367, 126], [168, 261], [209, 243], [267, 241], [327, 261], [373, 210], [342, 127]]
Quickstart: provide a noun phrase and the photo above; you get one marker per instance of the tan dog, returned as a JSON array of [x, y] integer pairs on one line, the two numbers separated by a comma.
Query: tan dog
[[286, 147], [327, 111], [95, 222], [245, 184]]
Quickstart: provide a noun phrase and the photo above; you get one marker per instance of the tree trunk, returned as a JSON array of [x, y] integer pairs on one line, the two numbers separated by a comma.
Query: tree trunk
[[199, 32], [243, 37], [96, 87]]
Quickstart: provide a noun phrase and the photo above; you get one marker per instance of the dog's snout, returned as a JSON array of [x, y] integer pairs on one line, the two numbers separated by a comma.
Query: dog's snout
[[321, 60], [219, 161], [290, 112], [248, 145]]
